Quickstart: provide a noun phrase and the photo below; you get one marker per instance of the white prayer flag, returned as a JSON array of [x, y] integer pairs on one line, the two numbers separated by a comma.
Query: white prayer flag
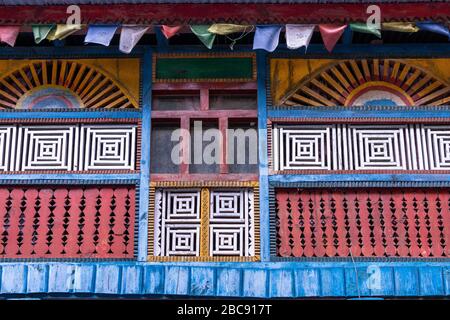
[[298, 35], [130, 36]]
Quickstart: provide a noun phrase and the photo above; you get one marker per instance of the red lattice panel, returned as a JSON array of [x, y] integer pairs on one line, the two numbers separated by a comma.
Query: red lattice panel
[[363, 222], [67, 222]]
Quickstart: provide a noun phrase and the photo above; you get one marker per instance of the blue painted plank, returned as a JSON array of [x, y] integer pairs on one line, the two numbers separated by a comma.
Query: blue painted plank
[[13, 279], [356, 282], [385, 286], [332, 282], [108, 279], [446, 275], [406, 281], [153, 280], [228, 282], [307, 282], [64, 277], [202, 281], [431, 281], [131, 279], [82, 277], [177, 280], [255, 283], [37, 278], [281, 283], [61, 278]]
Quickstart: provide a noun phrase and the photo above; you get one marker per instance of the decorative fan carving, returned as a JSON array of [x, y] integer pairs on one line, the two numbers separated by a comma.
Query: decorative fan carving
[[369, 82], [61, 84]]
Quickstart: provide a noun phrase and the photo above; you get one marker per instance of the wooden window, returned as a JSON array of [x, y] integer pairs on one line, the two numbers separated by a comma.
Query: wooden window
[[204, 194], [221, 106]]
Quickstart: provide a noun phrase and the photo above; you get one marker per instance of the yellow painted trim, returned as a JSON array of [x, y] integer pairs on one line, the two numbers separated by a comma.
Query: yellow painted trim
[[369, 84], [202, 259], [151, 221], [199, 184], [204, 222]]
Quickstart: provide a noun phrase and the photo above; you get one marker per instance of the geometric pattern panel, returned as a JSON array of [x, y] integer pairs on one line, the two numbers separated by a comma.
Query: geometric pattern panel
[[177, 222], [68, 147], [108, 147], [67, 222], [363, 222], [188, 224], [361, 147], [231, 223]]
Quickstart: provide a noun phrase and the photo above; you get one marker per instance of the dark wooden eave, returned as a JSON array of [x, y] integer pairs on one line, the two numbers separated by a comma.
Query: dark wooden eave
[[250, 12]]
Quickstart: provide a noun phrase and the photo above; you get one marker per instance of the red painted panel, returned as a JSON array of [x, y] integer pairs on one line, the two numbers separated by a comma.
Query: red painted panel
[[67, 222], [363, 222]]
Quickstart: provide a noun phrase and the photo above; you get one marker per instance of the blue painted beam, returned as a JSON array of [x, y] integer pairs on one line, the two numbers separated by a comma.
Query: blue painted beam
[[294, 178], [314, 50], [355, 112], [146, 74], [71, 114], [262, 280], [34, 177], [262, 67]]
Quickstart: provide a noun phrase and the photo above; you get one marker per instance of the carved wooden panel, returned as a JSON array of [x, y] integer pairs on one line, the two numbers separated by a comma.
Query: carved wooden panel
[[363, 222], [361, 147], [74, 147], [204, 222], [67, 222], [67, 84], [360, 82]]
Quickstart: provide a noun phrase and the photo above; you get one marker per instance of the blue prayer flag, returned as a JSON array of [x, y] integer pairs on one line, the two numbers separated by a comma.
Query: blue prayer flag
[[100, 34], [267, 38], [434, 27]]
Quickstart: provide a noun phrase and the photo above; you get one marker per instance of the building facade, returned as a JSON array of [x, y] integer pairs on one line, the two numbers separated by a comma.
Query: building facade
[[348, 193]]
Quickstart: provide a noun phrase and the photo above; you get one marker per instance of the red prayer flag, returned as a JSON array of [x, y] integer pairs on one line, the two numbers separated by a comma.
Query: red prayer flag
[[169, 32], [331, 34], [8, 34]]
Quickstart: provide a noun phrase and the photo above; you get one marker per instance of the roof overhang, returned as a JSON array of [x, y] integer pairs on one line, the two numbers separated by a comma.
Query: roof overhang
[[201, 13]]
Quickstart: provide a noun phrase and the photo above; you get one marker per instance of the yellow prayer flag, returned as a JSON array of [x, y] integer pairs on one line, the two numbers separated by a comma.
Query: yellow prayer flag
[[63, 30], [399, 26], [224, 29]]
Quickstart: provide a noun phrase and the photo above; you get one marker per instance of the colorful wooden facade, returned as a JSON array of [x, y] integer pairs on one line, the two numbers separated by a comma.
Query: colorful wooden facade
[[349, 195]]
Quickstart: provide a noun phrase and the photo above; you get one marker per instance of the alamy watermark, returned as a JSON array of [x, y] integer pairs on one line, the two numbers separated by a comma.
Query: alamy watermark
[[213, 146]]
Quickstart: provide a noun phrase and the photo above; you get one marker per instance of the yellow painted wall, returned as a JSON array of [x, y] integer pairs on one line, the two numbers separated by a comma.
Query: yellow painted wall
[[285, 74], [125, 71]]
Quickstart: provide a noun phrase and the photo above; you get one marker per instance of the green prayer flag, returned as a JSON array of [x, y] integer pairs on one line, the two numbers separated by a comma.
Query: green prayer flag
[[206, 37], [41, 31], [364, 28]]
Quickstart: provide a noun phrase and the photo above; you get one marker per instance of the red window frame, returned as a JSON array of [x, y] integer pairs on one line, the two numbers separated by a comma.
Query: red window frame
[[204, 113]]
